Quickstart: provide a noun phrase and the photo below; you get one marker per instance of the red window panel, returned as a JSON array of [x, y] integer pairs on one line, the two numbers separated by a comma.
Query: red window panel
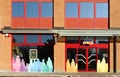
[[86, 23], [18, 22], [71, 23], [46, 23], [32, 23], [101, 23]]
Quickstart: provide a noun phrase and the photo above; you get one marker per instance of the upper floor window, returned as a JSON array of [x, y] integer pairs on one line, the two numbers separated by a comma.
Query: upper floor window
[[102, 10], [17, 9], [32, 9], [47, 10], [71, 9], [86, 10]]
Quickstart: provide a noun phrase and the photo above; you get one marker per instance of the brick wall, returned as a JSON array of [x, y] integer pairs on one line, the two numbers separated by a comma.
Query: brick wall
[[5, 42], [58, 13]]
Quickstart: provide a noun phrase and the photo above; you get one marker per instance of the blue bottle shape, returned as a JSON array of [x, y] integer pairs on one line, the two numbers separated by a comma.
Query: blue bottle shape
[[30, 66], [43, 69], [34, 66], [50, 65], [38, 65]]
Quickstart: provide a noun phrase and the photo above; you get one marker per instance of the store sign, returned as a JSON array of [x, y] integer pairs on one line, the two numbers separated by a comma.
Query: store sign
[[87, 42], [33, 54]]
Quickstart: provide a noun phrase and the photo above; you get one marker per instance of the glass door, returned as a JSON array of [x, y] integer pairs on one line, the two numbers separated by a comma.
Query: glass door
[[87, 59]]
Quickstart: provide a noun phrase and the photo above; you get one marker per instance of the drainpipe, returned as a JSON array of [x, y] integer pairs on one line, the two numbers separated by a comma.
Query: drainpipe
[[114, 54]]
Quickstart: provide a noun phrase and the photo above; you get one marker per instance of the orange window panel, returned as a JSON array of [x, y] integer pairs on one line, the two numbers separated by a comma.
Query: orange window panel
[[71, 23], [18, 22], [32, 23], [86, 23], [101, 23], [46, 23]]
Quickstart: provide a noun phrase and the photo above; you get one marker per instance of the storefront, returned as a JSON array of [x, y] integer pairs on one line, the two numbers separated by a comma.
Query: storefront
[[83, 50]]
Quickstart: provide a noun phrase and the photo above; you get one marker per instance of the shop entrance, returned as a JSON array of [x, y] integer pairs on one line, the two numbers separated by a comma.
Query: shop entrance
[[86, 56]]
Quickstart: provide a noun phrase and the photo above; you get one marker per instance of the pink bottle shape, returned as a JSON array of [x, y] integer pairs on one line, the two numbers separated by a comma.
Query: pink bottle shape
[[13, 64], [17, 64]]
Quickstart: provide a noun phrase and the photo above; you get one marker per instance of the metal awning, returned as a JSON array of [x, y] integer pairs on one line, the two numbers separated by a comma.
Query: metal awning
[[109, 32], [65, 32]]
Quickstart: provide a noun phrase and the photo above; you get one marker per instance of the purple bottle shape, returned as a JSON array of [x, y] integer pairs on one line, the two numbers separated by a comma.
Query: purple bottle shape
[[17, 64], [22, 66]]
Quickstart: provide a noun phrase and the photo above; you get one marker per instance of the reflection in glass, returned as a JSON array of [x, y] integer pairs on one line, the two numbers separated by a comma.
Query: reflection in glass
[[18, 38], [71, 9], [32, 38], [71, 39], [102, 10], [32, 9], [47, 9], [82, 59], [92, 59], [86, 10], [102, 40], [17, 9], [71, 54], [102, 53], [47, 39]]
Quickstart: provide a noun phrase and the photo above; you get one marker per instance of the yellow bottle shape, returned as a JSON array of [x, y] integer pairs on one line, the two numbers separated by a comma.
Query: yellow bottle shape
[[102, 69], [98, 66], [68, 67], [73, 66]]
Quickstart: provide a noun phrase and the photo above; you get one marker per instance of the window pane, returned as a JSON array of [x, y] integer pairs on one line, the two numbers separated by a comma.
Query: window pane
[[71, 9], [102, 53], [81, 59], [32, 9], [47, 9], [71, 55], [47, 39], [17, 9], [102, 10], [32, 38], [72, 40], [86, 10], [18, 38], [102, 40]]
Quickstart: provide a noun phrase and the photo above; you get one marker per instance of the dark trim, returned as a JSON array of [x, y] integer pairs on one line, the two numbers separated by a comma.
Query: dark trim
[[53, 14], [114, 54], [108, 14]]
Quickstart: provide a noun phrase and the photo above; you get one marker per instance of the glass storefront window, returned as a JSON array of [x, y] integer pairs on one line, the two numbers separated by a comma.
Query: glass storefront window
[[103, 53], [32, 38], [47, 39], [72, 40], [102, 40], [18, 38], [31, 53]]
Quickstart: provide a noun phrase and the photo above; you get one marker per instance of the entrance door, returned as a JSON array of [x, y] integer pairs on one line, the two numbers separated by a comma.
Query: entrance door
[[87, 59]]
